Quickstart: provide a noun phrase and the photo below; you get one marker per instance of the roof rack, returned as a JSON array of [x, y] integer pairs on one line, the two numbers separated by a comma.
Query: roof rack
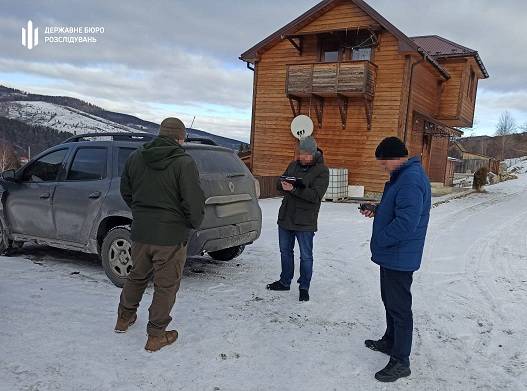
[[201, 140], [116, 136]]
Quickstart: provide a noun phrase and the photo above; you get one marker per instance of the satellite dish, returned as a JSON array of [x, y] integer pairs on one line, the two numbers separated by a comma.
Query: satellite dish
[[302, 126]]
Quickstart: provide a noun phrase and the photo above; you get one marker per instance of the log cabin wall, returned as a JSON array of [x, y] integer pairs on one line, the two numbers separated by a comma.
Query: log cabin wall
[[425, 102], [458, 99], [352, 147]]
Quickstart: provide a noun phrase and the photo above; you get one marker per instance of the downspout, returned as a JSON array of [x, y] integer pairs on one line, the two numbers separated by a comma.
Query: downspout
[[410, 96], [253, 120]]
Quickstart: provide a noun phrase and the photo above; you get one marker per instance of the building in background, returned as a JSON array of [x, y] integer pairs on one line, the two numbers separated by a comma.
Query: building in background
[[360, 79]]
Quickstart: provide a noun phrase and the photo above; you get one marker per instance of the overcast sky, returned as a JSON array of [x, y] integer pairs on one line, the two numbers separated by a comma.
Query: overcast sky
[[180, 58]]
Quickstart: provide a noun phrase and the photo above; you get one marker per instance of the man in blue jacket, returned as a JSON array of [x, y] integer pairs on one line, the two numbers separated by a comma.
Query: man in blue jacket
[[397, 242]]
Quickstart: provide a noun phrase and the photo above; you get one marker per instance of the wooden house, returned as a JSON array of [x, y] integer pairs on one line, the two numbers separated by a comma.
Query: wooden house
[[467, 161], [360, 79]]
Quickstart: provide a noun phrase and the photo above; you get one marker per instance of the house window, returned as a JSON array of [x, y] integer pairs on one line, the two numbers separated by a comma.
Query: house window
[[330, 56], [471, 85], [346, 46], [330, 49], [361, 54]]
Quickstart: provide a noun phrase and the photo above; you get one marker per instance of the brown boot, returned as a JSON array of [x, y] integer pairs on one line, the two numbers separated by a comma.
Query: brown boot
[[154, 343], [122, 324]]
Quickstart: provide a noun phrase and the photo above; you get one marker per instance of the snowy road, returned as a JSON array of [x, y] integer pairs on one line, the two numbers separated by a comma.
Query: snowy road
[[57, 311]]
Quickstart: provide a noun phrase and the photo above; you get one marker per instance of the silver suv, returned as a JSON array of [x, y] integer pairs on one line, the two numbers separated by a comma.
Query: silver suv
[[68, 197]]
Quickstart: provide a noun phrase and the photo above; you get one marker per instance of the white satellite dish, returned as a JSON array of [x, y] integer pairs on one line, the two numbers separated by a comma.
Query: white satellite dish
[[302, 126]]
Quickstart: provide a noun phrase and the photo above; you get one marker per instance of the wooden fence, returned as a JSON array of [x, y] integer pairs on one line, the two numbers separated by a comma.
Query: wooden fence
[[472, 165]]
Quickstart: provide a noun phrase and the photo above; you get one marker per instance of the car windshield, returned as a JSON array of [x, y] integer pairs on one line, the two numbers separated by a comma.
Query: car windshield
[[217, 162]]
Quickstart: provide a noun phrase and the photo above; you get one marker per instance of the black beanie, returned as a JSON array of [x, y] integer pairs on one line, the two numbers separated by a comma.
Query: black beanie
[[391, 148]]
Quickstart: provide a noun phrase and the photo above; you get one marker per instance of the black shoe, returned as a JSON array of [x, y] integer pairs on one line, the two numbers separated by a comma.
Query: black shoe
[[393, 371], [379, 346], [304, 295], [277, 286]]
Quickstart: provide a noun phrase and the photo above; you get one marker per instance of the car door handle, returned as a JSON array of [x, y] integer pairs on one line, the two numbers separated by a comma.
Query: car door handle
[[95, 195], [45, 196]]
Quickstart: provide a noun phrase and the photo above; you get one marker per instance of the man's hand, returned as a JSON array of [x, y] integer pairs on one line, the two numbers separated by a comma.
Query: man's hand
[[287, 186], [367, 213]]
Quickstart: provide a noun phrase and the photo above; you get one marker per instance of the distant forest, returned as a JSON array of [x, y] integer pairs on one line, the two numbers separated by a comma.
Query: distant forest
[[499, 147], [21, 136]]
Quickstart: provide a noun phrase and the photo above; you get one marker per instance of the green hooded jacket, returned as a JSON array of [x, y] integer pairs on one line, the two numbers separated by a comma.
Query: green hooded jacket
[[160, 184]]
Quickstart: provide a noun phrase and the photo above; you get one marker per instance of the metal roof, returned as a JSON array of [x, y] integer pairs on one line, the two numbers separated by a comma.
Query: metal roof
[[441, 48]]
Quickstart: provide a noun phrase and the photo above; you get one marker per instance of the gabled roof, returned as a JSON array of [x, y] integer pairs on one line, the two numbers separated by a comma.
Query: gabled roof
[[464, 150], [441, 48], [252, 54]]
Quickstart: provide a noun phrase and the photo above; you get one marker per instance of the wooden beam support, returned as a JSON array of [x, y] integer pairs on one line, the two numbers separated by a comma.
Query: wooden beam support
[[368, 105], [343, 108], [295, 110], [319, 108], [298, 46]]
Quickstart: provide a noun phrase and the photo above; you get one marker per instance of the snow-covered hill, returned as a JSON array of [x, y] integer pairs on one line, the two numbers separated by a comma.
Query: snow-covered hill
[[63, 113], [60, 118]]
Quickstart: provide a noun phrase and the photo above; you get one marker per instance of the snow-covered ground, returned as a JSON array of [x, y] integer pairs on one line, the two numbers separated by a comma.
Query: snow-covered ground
[[517, 165], [57, 312], [60, 118]]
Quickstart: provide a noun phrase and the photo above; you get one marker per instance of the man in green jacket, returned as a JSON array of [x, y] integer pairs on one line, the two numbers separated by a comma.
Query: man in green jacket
[[160, 184], [298, 214]]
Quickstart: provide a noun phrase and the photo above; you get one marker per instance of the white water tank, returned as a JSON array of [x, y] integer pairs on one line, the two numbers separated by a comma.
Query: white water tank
[[338, 184]]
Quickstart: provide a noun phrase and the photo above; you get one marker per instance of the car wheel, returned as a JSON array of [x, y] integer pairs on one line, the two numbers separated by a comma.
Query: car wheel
[[116, 255], [227, 254]]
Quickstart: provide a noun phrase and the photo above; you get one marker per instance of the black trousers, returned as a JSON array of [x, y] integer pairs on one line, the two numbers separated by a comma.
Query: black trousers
[[397, 299]]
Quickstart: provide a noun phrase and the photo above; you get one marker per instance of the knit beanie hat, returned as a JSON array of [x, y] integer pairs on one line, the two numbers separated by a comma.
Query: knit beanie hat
[[308, 145], [391, 148], [173, 128]]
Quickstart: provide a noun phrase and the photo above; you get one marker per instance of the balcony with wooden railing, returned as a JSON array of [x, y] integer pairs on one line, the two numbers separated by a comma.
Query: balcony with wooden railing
[[352, 80]]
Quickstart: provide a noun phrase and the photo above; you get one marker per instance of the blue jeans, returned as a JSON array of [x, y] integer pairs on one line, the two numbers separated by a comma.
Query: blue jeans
[[286, 239]]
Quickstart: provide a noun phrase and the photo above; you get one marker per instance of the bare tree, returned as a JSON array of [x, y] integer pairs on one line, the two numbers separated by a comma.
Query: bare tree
[[506, 124], [8, 158], [505, 127]]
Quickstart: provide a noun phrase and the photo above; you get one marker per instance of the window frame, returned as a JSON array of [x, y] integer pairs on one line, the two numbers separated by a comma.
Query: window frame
[[72, 160], [471, 91], [32, 164]]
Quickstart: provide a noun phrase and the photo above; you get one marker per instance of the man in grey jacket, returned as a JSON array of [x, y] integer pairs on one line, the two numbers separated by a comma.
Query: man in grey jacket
[[298, 214]]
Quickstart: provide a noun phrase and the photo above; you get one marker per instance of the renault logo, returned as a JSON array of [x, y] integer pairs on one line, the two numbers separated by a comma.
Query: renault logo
[[231, 187]]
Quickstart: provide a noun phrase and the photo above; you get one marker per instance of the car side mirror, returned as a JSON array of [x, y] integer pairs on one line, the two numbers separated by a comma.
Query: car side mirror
[[9, 175]]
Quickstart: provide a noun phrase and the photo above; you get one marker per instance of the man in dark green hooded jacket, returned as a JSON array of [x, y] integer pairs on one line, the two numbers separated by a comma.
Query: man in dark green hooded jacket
[[160, 184]]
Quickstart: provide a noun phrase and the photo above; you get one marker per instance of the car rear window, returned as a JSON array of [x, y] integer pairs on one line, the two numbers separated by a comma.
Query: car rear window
[[216, 162]]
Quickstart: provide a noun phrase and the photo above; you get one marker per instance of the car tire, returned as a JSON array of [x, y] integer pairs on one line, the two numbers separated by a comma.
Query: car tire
[[227, 254], [116, 255]]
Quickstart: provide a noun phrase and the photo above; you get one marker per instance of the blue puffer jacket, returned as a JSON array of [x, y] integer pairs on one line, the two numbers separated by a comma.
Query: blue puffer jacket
[[401, 219]]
